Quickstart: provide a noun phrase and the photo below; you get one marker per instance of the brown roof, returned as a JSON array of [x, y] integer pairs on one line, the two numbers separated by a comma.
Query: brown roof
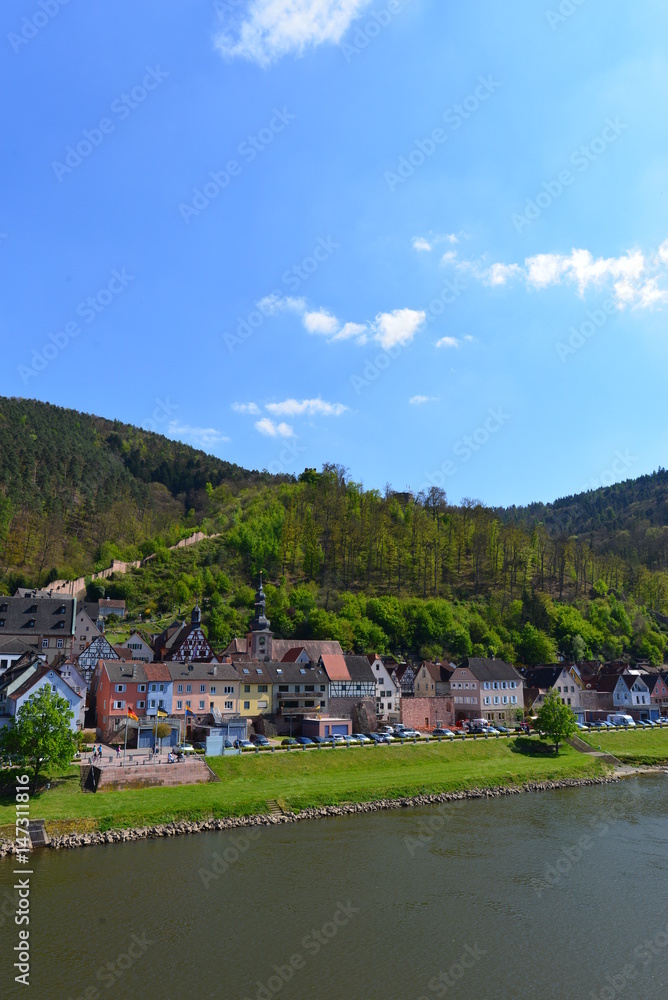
[[124, 653], [336, 667], [157, 672], [293, 654], [440, 673]]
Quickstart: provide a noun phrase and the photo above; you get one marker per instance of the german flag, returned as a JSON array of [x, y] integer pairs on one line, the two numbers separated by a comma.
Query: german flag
[[131, 715]]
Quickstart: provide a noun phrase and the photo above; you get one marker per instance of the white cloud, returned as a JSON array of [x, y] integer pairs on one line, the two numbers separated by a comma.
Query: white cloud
[[635, 277], [203, 437], [469, 339], [427, 244], [421, 400], [251, 408], [447, 342], [398, 327], [310, 407], [358, 331], [269, 29], [272, 304], [419, 243], [270, 429], [321, 322]]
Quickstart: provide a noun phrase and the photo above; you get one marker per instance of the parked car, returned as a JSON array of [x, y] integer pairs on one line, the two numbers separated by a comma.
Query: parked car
[[599, 724], [322, 740], [476, 730], [289, 742], [304, 741], [502, 729], [184, 748], [442, 732], [580, 725], [409, 734], [379, 737], [351, 740], [244, 745], [362, 737], [228, 745], [261, 740], [643, 724]]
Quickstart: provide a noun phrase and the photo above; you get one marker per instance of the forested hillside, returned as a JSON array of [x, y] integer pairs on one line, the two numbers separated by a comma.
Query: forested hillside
[[385, 571]]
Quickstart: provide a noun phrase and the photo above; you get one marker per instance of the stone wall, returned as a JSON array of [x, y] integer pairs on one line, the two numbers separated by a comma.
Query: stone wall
[[354, 708], [423, 713]]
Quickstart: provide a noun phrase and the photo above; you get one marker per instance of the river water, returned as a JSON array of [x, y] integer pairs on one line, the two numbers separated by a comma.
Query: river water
[[556, 895]]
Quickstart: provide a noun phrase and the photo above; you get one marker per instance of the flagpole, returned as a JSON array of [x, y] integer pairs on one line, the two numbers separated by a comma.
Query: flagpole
[[125, 745]]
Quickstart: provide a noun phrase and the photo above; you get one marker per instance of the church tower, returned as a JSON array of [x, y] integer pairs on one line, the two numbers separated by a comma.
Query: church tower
[[260, 636]]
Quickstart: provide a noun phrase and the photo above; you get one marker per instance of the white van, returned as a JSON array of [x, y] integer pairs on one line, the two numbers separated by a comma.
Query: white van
[[619, 719]]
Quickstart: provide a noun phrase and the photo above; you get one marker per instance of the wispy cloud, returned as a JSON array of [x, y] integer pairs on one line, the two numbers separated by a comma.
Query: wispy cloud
[[270, 29], [305, 407], [421, 400], [204, 437], [270, 429], [638, 280], [270, 305], [448, 342], [252, 408], [425, 244]]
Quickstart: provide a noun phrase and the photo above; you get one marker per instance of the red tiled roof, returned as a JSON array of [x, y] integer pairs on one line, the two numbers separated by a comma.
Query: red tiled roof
[[335, 665]]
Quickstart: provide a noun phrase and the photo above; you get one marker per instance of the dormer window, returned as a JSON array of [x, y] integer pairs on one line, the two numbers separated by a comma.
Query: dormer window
[[61, 610], [3, 607], [59, 625], [31, 610], [30, 624]]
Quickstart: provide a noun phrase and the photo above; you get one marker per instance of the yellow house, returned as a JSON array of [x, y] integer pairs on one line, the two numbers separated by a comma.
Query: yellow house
[[256, 689]]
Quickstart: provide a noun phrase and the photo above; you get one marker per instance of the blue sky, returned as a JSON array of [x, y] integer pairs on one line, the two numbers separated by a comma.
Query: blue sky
[[421, 239]]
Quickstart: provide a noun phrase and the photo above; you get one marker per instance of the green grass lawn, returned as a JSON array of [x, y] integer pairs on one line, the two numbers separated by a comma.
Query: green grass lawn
[[305, 778], [632, 746]]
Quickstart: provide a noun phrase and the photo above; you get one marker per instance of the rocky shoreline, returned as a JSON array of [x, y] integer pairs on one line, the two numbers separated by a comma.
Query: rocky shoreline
[[176, 829]]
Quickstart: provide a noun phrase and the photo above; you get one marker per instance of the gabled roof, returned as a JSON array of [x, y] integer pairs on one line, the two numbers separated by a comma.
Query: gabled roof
[[34, 678], [292, 673], [359, 669], [545, 677], [199, 671], [12, 645], [124, 653], [314, 647], [491, 670], [440, 673], [157, 672], [125, 672], [292, 654], [336, 666], [108, 602], [651, 680]]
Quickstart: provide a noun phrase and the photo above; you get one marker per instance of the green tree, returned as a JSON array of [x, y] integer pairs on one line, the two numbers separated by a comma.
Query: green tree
[[536, 647], [555, 720], [40, 735]]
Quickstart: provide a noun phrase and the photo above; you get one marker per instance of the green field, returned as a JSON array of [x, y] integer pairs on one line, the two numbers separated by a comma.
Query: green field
[[632, 746], [304, 778]]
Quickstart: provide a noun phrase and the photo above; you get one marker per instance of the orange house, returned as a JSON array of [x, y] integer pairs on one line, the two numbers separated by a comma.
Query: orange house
[[117, 686]]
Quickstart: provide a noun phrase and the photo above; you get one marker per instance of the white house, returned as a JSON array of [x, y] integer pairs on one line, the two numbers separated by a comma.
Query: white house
[[77, 682], [388, 690], [47, 676], [141, 650], [632, 692]]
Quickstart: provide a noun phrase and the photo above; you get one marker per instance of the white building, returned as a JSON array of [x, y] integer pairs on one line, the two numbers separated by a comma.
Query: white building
[[46, 676], [388, 690], [141, 650]]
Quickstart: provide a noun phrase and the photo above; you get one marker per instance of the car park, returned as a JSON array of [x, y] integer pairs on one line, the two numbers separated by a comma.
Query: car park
[[260, 740], [304, 741], [442, 732], [289, 742], [362, 737]]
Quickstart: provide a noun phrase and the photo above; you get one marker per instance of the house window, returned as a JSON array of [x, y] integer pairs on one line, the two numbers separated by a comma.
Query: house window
[[140, 704], [45, 643], [31, 623], [179, 704], [2, 622], [120, 688], [513, 699], [227, 690], [189, 688], [141, 687], [246, 705], [202, 688], [262, 688], [228, 704], [322, 687], [283, 687], [246, 688], [213, 689], [201, 704], [118, 705], [179, 688], [153, 687], [152, 702]]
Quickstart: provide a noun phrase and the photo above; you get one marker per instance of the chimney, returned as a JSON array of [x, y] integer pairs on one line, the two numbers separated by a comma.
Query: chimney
[[134, 669], [215, 671]]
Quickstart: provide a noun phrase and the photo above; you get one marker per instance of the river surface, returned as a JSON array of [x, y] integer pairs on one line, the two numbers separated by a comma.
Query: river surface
[[556, 895]]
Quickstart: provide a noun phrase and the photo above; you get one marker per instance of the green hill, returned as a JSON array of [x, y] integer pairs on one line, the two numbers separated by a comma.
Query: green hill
[[386, 571]]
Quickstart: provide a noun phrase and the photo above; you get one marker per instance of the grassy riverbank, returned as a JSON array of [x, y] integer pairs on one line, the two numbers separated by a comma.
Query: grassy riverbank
[[632, 746], [301, 779]]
